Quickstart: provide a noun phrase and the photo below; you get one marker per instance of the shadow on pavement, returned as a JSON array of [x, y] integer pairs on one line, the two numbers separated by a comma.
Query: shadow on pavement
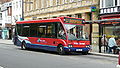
[[54, 53]]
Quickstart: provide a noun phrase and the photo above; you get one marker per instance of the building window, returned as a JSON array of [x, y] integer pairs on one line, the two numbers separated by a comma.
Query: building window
[[72, 0], [115, 2], [51, 2], [66, 1], [57, 2], [30, 6], [63, 1], [79, 0], [101, 3], [79, 15], [0, 16], [16, 4], [118, 3], [69, 15], [42, 3], [109, 3], [47, 3], [20, 4]]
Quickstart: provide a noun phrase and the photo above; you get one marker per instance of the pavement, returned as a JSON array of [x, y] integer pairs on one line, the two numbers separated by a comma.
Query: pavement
[[93, 52], [2, 41]]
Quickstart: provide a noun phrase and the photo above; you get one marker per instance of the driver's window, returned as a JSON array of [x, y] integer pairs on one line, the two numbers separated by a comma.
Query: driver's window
[[61, 32]]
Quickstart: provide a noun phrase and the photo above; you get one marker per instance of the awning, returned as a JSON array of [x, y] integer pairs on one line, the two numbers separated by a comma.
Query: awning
[[107, 20]]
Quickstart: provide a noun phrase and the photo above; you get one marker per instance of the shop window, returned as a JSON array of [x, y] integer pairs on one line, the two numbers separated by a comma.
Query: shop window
[[117, 31], [111, 30]]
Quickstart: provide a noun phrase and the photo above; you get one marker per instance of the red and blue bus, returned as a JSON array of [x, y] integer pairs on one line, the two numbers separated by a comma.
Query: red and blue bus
[[62, 34]]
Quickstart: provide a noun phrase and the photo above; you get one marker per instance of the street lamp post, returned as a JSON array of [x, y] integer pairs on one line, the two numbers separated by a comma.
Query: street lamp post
[[22, 10]]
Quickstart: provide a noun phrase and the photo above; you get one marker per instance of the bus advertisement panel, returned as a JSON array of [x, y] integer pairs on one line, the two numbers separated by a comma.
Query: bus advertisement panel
[[62, 34]]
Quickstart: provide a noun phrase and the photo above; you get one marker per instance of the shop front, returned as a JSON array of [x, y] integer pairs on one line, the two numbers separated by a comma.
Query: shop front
[[107, 29], [7, 32]]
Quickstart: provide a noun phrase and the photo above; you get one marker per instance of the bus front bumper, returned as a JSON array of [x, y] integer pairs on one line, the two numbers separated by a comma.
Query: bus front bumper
[[72, 49]]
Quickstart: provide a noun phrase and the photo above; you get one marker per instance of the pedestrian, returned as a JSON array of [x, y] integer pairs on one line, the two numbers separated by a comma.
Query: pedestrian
[[104, 42], [118, 45], [112, 45]]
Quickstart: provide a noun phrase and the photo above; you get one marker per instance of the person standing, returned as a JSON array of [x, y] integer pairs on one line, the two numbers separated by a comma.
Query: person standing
[[112, 45], [104, 42]]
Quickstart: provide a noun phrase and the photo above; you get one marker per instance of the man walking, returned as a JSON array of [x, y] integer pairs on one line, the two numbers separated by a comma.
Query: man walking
[[112, 45]]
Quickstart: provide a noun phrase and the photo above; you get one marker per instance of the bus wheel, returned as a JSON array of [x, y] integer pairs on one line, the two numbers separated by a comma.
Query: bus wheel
[[23, 46], [60, 50]]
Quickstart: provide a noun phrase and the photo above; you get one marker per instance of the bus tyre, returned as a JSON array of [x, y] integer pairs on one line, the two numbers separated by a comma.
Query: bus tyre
[[85, 53], [23, 46], [60, 50]]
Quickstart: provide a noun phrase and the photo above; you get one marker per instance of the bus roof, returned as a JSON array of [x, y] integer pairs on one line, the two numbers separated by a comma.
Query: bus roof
[[58, 19], [38, 21]]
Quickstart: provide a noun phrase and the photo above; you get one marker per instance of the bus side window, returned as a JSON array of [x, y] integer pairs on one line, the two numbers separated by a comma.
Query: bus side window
[[33, 30], [41, 31], [26, 30], [51, 30], [18, 30]]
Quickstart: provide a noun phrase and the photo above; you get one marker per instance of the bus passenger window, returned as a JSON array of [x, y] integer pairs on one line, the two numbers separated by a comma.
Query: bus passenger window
[[18, 29], [51, 30], [25, 30], [33, 30], [42, 31]]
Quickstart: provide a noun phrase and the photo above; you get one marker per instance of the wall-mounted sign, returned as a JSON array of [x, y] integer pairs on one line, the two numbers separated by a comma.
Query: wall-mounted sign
[[93, 9]]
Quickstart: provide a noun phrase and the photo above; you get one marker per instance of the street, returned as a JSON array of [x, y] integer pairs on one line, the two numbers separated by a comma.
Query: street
[[12, 56]]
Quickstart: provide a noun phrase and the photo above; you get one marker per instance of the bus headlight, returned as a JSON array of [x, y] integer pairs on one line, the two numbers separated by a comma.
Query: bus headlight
[[70, 45]]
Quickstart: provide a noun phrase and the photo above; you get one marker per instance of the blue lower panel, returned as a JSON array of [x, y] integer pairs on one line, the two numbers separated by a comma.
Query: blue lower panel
[[77, 49], [54, 48], [45, 47]]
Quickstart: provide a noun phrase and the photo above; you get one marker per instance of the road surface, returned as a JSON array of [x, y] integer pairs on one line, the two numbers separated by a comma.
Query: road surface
[[12, 56]]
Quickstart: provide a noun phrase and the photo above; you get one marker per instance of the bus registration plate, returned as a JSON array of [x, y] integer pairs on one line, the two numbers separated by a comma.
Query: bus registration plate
[[78, 49]]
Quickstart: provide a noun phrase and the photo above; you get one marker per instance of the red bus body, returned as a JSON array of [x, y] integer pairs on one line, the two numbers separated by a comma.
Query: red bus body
[[51, 43]]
